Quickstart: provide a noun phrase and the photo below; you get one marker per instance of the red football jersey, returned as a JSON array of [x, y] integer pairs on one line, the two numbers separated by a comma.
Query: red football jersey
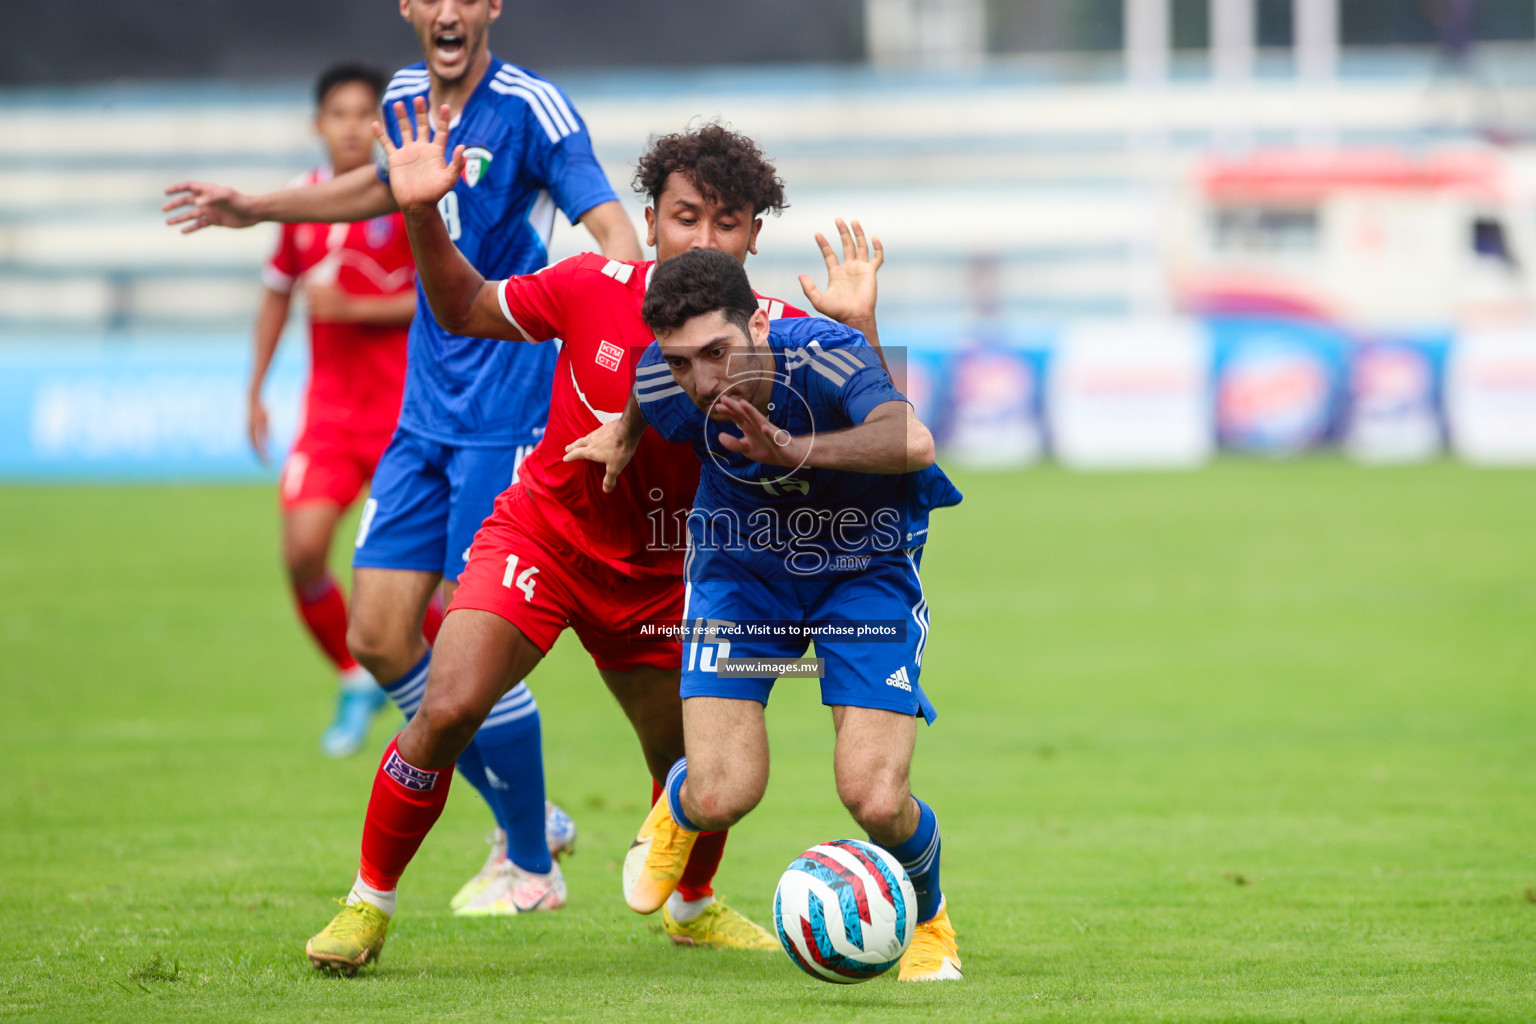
[[593, 304], [357, 371]]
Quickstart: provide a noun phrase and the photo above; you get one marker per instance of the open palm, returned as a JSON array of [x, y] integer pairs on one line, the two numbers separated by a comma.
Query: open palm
[[419, 172], [852, 286]]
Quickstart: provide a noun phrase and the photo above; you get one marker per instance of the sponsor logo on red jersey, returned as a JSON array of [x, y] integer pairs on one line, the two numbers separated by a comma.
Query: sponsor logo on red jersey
[[609, 356]]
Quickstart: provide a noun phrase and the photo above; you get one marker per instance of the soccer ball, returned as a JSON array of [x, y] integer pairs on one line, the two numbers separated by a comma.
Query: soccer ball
[[844, 911]]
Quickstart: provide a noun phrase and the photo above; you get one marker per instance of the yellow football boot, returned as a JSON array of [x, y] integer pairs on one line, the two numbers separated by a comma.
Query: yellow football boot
[[719, 927], [655, 861], [934, 954], [353, 938]]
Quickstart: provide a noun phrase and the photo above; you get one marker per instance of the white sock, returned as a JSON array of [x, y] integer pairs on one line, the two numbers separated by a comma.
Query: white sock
[[683, 911], [357, 678], [361, 893]]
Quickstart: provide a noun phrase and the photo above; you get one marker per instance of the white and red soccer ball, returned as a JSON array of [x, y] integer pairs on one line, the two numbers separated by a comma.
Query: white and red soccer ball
[[845, 911]]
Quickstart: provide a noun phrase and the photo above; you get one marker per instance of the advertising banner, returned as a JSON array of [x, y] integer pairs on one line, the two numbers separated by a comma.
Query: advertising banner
[[1490, 396], [994, 419], [1279, 384], [1099, 394], [1131, 394], [112, 410], [923, 377], [1394, 410]]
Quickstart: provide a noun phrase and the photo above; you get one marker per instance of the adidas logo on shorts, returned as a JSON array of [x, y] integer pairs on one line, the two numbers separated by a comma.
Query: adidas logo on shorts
[[900, 679]]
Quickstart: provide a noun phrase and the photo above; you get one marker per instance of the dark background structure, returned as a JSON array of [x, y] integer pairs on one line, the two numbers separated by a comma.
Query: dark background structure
[[107, 40], [102, 40]]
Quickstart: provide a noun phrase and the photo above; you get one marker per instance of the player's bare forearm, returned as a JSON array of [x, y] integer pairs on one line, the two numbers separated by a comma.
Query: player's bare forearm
[[611, 228], [890, 440], [355, 195], [632, 424], [866, 326], [462, 300], [271, 317]]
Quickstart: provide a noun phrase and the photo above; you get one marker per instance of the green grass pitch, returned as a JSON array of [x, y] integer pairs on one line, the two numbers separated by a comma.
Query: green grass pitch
[[1255, 743]]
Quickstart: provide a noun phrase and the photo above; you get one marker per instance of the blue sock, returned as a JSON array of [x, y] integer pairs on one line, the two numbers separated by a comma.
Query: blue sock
[[674, 788], [407, 692], [513, 755], [920, 856], [472, 769]]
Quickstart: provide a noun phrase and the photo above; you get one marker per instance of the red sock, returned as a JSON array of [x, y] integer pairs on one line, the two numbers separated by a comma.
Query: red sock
[[699, 875], [703, 862], [324, 611], [405, 804], [434, 619]]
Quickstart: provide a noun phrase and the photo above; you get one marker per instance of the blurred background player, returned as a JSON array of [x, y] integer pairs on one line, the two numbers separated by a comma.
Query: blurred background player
[[560, 550], [795, 422], [359, 286], [472, 408]]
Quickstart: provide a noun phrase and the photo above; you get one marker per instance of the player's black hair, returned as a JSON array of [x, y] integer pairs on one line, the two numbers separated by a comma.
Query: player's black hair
[[725, 166], [342, 74], [694, 283]]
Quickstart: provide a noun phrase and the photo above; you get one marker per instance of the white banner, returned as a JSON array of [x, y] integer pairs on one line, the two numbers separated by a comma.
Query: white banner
[[1491, 395], [1131, 395]]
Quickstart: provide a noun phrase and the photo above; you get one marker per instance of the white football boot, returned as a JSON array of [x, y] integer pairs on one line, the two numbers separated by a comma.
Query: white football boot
[[515, 891], [487, 873], [559, 835]]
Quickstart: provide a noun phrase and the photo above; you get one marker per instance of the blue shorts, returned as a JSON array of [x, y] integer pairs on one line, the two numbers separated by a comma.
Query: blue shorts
[[860, 674], [427, 501]]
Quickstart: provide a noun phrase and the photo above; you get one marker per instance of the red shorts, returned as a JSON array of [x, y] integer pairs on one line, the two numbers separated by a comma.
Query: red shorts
[[518, 570], [328, 468]]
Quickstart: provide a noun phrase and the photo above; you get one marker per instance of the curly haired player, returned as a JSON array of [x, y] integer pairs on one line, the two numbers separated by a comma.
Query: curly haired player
[[560, 550]]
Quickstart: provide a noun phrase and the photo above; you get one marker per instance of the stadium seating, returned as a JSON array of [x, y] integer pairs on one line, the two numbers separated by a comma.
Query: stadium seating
[[1054, 185]]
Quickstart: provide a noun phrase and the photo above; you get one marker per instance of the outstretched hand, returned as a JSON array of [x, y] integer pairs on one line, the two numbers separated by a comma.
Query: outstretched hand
[[605, 445], [761, 441], [203, 204], [851, 289], [419, 172]]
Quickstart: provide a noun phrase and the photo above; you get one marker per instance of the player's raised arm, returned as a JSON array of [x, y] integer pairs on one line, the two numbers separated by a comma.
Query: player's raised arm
[[611, 228], [890, 440], [420, 174], [852, 288], [355, 195]]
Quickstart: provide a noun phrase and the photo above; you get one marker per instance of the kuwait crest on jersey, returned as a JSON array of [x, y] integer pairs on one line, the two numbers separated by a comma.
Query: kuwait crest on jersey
[[477, 160]]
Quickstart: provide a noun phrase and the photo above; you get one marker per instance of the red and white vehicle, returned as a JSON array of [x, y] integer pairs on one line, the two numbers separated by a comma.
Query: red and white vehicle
[[1364, 238]]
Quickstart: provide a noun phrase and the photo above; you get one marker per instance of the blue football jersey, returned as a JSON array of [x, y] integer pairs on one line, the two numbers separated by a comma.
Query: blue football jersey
[[776, 523], [527, 154]]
